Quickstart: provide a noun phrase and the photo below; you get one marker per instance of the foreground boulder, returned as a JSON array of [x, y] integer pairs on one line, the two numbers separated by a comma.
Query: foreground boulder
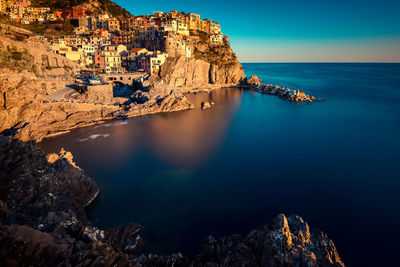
[[287, 241], [42, 216], [43, 223]]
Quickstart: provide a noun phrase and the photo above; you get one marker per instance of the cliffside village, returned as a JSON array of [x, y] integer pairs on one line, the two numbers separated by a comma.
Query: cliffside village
[[111, 45]]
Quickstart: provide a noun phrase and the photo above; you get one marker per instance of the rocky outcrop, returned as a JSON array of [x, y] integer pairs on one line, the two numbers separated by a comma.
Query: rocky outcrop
[[63, 154], [42, 217], [254, 80], [43, 223], [209, 65], [43, 63], [182, 72], [206, 104], [156, 98], [31, 107], [226, 74], [287, 241], [254, 83], [26, 112]]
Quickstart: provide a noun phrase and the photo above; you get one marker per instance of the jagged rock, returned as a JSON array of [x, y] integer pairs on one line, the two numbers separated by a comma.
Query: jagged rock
[[287, 241], [63, 154], [29, 113], [286, 93], [226, 74], [254, 80], [181, 72], [42, 217], [206, 104], [157, 97], [43, 223]]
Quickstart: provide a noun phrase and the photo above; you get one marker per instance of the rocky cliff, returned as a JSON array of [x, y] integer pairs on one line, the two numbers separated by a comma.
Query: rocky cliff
[[209, 65], [42, 216], [34, 80], [43, 223]]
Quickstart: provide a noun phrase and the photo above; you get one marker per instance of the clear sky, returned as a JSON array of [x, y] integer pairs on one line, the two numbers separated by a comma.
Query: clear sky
[[298, 31]]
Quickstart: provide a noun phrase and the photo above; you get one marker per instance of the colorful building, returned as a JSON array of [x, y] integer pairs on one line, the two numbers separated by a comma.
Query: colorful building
[[74, 12], [113, 25], [152, 62]]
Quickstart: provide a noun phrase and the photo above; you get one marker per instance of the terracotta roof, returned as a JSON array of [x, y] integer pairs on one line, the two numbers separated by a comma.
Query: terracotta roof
[[136, 49]]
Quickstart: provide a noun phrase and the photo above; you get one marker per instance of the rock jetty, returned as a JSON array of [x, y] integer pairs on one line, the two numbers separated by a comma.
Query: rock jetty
[[43, 223], [254, 83]]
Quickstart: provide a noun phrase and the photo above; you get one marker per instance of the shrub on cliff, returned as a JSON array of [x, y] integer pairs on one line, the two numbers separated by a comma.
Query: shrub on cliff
[[105, 5], [11, 57]]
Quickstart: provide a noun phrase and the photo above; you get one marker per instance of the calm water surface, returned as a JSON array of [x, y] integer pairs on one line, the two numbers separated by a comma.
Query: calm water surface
[[234, 167]]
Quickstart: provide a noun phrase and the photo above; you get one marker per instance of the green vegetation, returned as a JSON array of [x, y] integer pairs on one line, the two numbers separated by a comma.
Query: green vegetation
[[105, 5], [11, 57], [35, 69], [220, 55], [217, 55], [58, 4], [51, 28]]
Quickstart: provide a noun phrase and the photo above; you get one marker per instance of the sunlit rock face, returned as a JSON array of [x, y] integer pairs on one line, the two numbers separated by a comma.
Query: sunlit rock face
[[287, 241], [181, 72]]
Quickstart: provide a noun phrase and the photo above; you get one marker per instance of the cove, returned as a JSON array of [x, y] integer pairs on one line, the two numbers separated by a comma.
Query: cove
[[228, 169]]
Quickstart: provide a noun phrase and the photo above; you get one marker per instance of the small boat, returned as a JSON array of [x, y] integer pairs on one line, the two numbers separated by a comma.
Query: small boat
[[95, 81]]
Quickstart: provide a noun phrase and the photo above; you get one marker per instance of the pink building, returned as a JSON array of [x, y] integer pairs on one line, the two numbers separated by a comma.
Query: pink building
[[99, 60]]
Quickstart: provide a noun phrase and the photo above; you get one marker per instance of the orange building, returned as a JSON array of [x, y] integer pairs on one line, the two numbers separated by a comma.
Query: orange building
[[74, 12]]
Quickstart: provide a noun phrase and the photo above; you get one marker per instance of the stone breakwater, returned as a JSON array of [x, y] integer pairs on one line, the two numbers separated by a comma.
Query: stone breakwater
[[254, 83], [43, 223]]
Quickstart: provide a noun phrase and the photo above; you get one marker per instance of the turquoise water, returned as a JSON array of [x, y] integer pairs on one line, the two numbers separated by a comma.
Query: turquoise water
[[234, 167]]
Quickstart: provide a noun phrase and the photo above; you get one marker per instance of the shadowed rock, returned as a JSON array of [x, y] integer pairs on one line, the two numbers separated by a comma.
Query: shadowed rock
[[43, 223], [42, 217], [287, 241]]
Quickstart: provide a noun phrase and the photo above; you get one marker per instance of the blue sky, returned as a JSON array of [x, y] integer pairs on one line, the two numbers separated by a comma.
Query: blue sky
[[298, 31]]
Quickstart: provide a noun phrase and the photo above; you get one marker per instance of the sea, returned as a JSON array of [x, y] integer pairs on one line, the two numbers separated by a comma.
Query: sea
[[234, 167]]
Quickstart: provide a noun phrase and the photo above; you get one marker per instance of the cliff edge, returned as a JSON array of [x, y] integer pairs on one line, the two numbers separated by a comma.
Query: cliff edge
[[34, 81], [209, 65]]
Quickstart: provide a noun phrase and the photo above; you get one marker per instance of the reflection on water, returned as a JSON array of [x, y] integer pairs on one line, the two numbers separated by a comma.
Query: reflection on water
[[182, 139], [145, 164], [190, 138], [228, 169]]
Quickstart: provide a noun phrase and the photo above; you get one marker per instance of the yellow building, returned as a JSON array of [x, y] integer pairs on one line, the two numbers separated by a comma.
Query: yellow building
[[194, 25], [5, 5], [182, 27], [194, 17], [113, 25]]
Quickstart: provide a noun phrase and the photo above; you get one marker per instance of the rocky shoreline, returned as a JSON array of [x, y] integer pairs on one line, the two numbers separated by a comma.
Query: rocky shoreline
[[254, 83], [43, 222], [43, 197]]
